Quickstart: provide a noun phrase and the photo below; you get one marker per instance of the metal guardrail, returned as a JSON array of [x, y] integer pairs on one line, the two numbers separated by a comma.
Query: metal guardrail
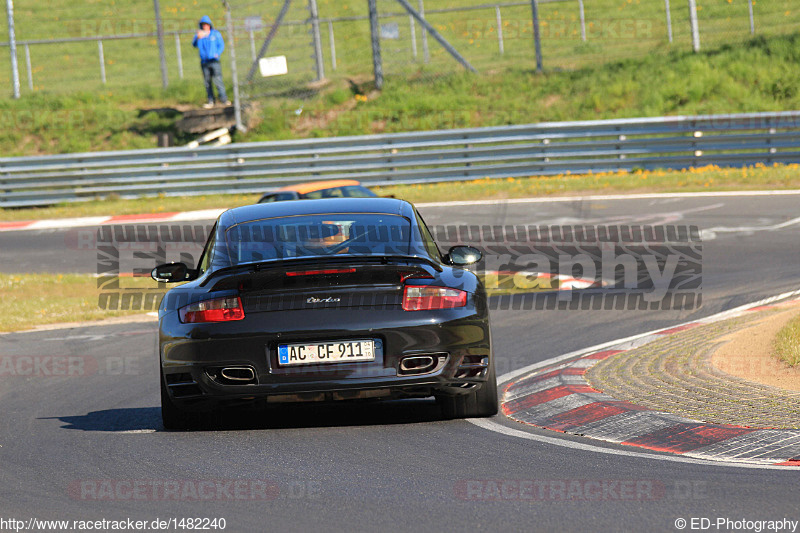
[[541, 149]]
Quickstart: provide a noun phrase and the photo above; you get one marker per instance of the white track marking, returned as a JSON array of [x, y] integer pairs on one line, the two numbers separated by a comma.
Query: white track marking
[[65, 223], [710, 233], [491, 425], [206, 214]]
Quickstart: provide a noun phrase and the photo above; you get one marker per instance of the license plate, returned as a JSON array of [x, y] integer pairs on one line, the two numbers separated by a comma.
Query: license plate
[[326, 352]]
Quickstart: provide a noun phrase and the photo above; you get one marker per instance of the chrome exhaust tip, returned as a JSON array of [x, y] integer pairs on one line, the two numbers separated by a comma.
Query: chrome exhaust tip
[[238, 373], [417, 364]]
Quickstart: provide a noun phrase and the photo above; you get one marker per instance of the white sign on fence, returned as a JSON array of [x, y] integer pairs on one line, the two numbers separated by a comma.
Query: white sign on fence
[[273, 66], [390, 30]]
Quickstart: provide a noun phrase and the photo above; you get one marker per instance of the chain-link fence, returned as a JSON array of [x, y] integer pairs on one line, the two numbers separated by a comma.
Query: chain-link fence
[[327, 40], [64, 46]]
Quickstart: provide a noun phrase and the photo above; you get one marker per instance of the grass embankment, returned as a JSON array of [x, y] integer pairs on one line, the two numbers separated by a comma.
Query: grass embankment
[[692, 180], [757, 75], [53, 298], [787, 343]]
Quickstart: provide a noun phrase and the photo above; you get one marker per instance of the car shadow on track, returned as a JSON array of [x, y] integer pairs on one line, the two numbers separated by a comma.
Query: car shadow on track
[[287, 416]]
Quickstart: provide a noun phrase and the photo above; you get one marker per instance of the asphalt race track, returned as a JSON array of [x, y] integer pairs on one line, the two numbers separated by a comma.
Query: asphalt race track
[[72, 446]]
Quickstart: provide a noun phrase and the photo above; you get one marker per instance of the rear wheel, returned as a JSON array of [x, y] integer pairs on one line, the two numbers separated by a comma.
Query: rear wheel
[[479, 403]]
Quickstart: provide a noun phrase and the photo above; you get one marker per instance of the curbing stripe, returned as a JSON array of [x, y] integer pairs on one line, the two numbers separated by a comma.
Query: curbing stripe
[[587, 413], [144, 218], [737, 445], [557, 397], [678, 329], [685, 437], [544, 396], [559, 405], [137, 218], [14, 225], [626, 426], [603, 355]]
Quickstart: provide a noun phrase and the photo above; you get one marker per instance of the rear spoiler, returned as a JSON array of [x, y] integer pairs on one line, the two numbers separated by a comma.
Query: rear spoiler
[[240, 273]]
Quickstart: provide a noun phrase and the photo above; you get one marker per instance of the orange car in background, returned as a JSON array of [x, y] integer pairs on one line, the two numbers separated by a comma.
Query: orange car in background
[[319, 189]]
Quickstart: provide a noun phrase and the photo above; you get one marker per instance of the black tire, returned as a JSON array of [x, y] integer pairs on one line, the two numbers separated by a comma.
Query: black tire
[[476, 404], [172, 416]]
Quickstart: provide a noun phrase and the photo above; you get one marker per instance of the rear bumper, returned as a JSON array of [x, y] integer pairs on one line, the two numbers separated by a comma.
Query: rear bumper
[[192, 354]]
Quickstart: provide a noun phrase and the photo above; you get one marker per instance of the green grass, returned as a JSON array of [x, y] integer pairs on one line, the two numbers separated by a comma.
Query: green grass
[[787, 343], [756, 76], [692, 180], [702, 179], [53, 298]]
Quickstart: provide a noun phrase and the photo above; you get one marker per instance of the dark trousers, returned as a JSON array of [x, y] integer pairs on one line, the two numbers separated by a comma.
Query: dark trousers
[[212, 75]]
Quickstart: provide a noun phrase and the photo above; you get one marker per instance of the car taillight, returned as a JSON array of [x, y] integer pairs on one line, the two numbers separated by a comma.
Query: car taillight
[[216, 310], [421, 298]]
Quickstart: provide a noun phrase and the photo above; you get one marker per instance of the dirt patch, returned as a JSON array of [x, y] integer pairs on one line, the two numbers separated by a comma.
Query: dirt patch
[[551, 99], [311, 121], [748, 353], [319, 121]]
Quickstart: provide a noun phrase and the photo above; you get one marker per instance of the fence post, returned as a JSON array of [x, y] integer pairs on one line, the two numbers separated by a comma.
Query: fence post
[[669, 21], [752, 20], [178, 54], [12, 46], [693, 22], [315, 37], [582, 16], [252, 46], [413, 30], [28, 66], [499, 20], [426, 53], [377, 64], [271, 35], [436, 35], [102, 58], [237, 103], [537, 41], [332, 41], [161, 52]]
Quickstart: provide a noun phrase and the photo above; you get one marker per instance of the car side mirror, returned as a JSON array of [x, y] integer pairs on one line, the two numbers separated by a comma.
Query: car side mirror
[[463, 255], [172, 273]]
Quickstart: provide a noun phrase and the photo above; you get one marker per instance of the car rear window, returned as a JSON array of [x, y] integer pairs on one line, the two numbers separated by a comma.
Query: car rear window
[[361, 234], [348, 191]]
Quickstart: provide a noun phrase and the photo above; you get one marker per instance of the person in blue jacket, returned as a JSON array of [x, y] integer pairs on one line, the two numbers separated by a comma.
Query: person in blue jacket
[[209, 43]]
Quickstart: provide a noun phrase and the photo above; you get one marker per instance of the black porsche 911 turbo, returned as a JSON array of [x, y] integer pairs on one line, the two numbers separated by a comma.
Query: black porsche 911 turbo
[[323, 300]]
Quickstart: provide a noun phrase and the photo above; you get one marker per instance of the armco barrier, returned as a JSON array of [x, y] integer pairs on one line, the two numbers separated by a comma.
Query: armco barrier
[[417, 157]]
